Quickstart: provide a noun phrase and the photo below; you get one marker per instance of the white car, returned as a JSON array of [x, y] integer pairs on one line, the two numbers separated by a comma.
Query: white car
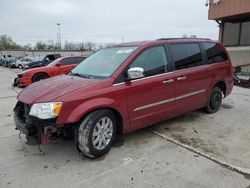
[[22, 62]]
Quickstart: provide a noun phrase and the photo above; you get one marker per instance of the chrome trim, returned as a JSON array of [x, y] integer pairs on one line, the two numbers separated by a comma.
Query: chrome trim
[[190, 94], [118, 84], [168, 81], [151, 76], [169, 100], [144, 78], [175, 71], [182, 78], [154, 104]]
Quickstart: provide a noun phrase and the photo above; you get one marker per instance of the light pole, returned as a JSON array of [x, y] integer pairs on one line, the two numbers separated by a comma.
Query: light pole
[[59, 36]]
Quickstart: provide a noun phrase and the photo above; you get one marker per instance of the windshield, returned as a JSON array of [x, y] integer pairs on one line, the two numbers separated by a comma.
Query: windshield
[[53, 62], [103, 63]]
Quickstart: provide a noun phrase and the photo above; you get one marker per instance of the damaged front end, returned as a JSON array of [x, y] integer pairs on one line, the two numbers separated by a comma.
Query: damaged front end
[[37, 131]]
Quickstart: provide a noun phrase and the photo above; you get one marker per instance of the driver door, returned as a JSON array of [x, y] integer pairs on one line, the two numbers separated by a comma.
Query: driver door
[[151, 99]]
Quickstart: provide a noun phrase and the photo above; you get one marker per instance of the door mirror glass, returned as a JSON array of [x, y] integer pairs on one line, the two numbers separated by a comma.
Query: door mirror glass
[[135, 73]]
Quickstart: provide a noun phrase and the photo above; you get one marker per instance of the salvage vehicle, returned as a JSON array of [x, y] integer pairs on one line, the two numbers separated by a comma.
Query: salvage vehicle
[[22, 62], [59, 66], [124, 88], [42, 61]]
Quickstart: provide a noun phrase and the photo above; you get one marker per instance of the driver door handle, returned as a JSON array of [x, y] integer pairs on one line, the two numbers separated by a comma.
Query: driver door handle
[[169, 81], [182, 78]]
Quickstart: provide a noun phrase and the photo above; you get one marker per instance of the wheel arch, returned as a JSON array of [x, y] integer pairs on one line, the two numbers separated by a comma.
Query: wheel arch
[[116, 113], [34, 74], [87, 107], [222, 85]]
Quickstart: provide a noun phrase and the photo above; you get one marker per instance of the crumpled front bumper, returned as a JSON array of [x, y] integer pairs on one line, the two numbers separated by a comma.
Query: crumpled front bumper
[[36, 131]]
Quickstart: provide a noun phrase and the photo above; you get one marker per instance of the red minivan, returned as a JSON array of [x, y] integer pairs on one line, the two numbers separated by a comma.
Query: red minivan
[[123, 88]]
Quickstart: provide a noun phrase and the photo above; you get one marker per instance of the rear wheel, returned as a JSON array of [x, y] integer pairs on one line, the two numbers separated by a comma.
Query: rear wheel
[[96, 133], [39, 76], [20, 66], [214, 101]]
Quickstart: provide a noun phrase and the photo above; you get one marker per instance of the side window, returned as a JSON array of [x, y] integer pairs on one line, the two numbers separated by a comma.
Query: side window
[[152, 60], [186, 55], [68, 61], [78, 60], [215, 53]]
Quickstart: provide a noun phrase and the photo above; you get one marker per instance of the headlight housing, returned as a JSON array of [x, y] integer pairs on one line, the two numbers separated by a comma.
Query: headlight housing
[[46, 110], [23, 75]]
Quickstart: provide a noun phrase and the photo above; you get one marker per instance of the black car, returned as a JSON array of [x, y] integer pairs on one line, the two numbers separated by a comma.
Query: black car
[[42, 61]]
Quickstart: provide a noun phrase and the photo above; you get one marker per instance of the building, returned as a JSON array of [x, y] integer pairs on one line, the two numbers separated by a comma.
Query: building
[[233, 17]]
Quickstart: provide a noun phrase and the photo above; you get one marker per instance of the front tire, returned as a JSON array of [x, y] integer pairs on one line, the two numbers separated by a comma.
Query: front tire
[[97, 133], [214, 101], [20, 66]]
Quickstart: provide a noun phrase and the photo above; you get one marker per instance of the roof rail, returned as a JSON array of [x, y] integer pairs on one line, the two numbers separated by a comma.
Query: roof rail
[[184, 38]]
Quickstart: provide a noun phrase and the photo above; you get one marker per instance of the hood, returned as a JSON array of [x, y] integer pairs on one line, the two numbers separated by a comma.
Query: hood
[[50, 89], [35, 70]]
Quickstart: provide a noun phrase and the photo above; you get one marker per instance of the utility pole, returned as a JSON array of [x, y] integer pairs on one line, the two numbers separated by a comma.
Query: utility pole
[[59, 42]]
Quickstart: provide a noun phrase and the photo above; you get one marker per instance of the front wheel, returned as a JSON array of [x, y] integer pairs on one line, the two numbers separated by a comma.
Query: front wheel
[[97, 133], [214, 101], [20, 66]]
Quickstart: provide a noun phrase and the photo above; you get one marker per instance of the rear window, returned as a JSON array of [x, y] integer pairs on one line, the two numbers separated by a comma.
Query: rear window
[[186, 55], [215, 53]]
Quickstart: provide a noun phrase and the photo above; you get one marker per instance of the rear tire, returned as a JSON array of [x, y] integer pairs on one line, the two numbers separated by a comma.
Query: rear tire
[[20, 66], [97, 133], [214, 101], [39, 76]]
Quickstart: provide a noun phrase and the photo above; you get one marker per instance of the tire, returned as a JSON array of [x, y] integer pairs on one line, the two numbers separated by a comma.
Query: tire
[[39, 76], [98, 127], [214, 101], [20, 66]]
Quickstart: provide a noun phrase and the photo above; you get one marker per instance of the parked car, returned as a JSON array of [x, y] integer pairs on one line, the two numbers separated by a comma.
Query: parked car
[[123, 88], [22, 62], [59, 66], [2, 60], [11, 62], [42, 61]]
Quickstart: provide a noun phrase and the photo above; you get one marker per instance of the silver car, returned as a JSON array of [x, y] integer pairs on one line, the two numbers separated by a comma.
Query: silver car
[[22, 62]]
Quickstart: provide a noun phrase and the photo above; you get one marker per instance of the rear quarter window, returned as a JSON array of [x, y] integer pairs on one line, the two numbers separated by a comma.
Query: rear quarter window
[[215, 53], [186, 55]]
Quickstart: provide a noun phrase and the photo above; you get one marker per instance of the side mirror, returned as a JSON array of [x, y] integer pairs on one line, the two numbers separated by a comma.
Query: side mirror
[[135, 73], [58, 64]]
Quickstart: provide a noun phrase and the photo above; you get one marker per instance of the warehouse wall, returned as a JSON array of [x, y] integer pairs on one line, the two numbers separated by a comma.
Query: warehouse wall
[[227, 8]]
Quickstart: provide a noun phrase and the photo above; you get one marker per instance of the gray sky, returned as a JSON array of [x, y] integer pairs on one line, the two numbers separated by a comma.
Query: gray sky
[[104, 21]]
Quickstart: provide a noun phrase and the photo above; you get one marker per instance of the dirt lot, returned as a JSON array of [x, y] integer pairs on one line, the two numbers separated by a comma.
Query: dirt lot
[[194, 150]]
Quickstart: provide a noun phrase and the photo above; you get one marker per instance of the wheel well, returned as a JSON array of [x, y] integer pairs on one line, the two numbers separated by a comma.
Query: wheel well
[[222, 86], [117, 115], [40, 73]]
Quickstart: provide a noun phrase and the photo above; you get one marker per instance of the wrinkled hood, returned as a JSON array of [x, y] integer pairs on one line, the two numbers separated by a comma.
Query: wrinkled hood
[[52, 88]]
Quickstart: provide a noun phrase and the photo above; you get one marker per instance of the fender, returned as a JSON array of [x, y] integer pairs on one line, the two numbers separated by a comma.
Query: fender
[[87, 106]]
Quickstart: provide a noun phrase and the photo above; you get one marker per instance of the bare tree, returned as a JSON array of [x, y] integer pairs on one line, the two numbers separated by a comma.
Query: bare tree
[[70, 46], [6, 42], [90, 46], [40, 45]]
